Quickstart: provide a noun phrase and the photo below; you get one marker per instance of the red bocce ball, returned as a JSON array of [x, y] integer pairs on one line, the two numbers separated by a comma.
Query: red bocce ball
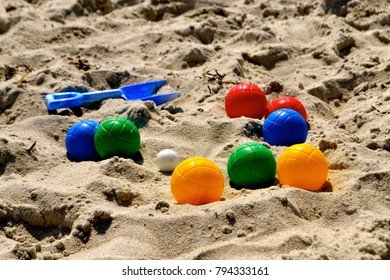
[[287, 102], [246, 100]]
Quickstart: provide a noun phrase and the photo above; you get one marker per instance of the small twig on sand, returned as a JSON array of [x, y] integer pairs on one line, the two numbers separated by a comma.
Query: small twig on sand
[[22, 79], [216, 76], [32, 147]]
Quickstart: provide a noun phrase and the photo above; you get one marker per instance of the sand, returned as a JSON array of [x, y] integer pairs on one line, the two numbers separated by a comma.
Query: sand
[[333, 56]]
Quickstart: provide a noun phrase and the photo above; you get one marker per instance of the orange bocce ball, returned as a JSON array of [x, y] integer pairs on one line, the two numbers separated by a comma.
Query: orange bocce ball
[[302, 166], [197, 181]]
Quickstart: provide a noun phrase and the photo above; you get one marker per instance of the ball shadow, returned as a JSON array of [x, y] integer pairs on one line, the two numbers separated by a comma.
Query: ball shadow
[[140, 121], [173, 110], [3, 166], [274, 182], [138, 158], [76, 111], [166, 173], [72, 159], [327, 187], [253, 129]]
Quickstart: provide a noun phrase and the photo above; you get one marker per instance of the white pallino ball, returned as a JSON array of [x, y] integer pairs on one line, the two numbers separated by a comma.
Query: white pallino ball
[[167, 160]]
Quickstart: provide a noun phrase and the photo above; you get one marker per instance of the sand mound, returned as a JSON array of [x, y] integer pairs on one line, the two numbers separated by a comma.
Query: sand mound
[[331, 55]]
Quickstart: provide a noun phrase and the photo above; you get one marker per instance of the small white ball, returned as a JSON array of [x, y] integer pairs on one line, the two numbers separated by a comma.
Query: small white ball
[[167, 160]]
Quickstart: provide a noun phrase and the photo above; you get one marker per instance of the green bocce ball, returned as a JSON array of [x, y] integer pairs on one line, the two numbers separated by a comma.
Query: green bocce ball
[[117, 136], [251, 165]]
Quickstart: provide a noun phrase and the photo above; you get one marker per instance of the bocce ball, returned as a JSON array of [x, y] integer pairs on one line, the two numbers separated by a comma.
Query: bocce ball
[[117, 136], [167, 160], [246, 100], [286, 102], [285, 127], [197, 181], [79, 141], [302, 166], [251, 165]]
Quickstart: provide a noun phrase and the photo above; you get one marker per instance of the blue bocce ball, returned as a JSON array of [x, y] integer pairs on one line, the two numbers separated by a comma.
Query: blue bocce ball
[[80, 141], [285, 127]]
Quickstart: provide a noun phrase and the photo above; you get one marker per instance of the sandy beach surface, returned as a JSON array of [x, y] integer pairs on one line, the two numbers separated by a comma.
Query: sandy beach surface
[[333, 55]]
